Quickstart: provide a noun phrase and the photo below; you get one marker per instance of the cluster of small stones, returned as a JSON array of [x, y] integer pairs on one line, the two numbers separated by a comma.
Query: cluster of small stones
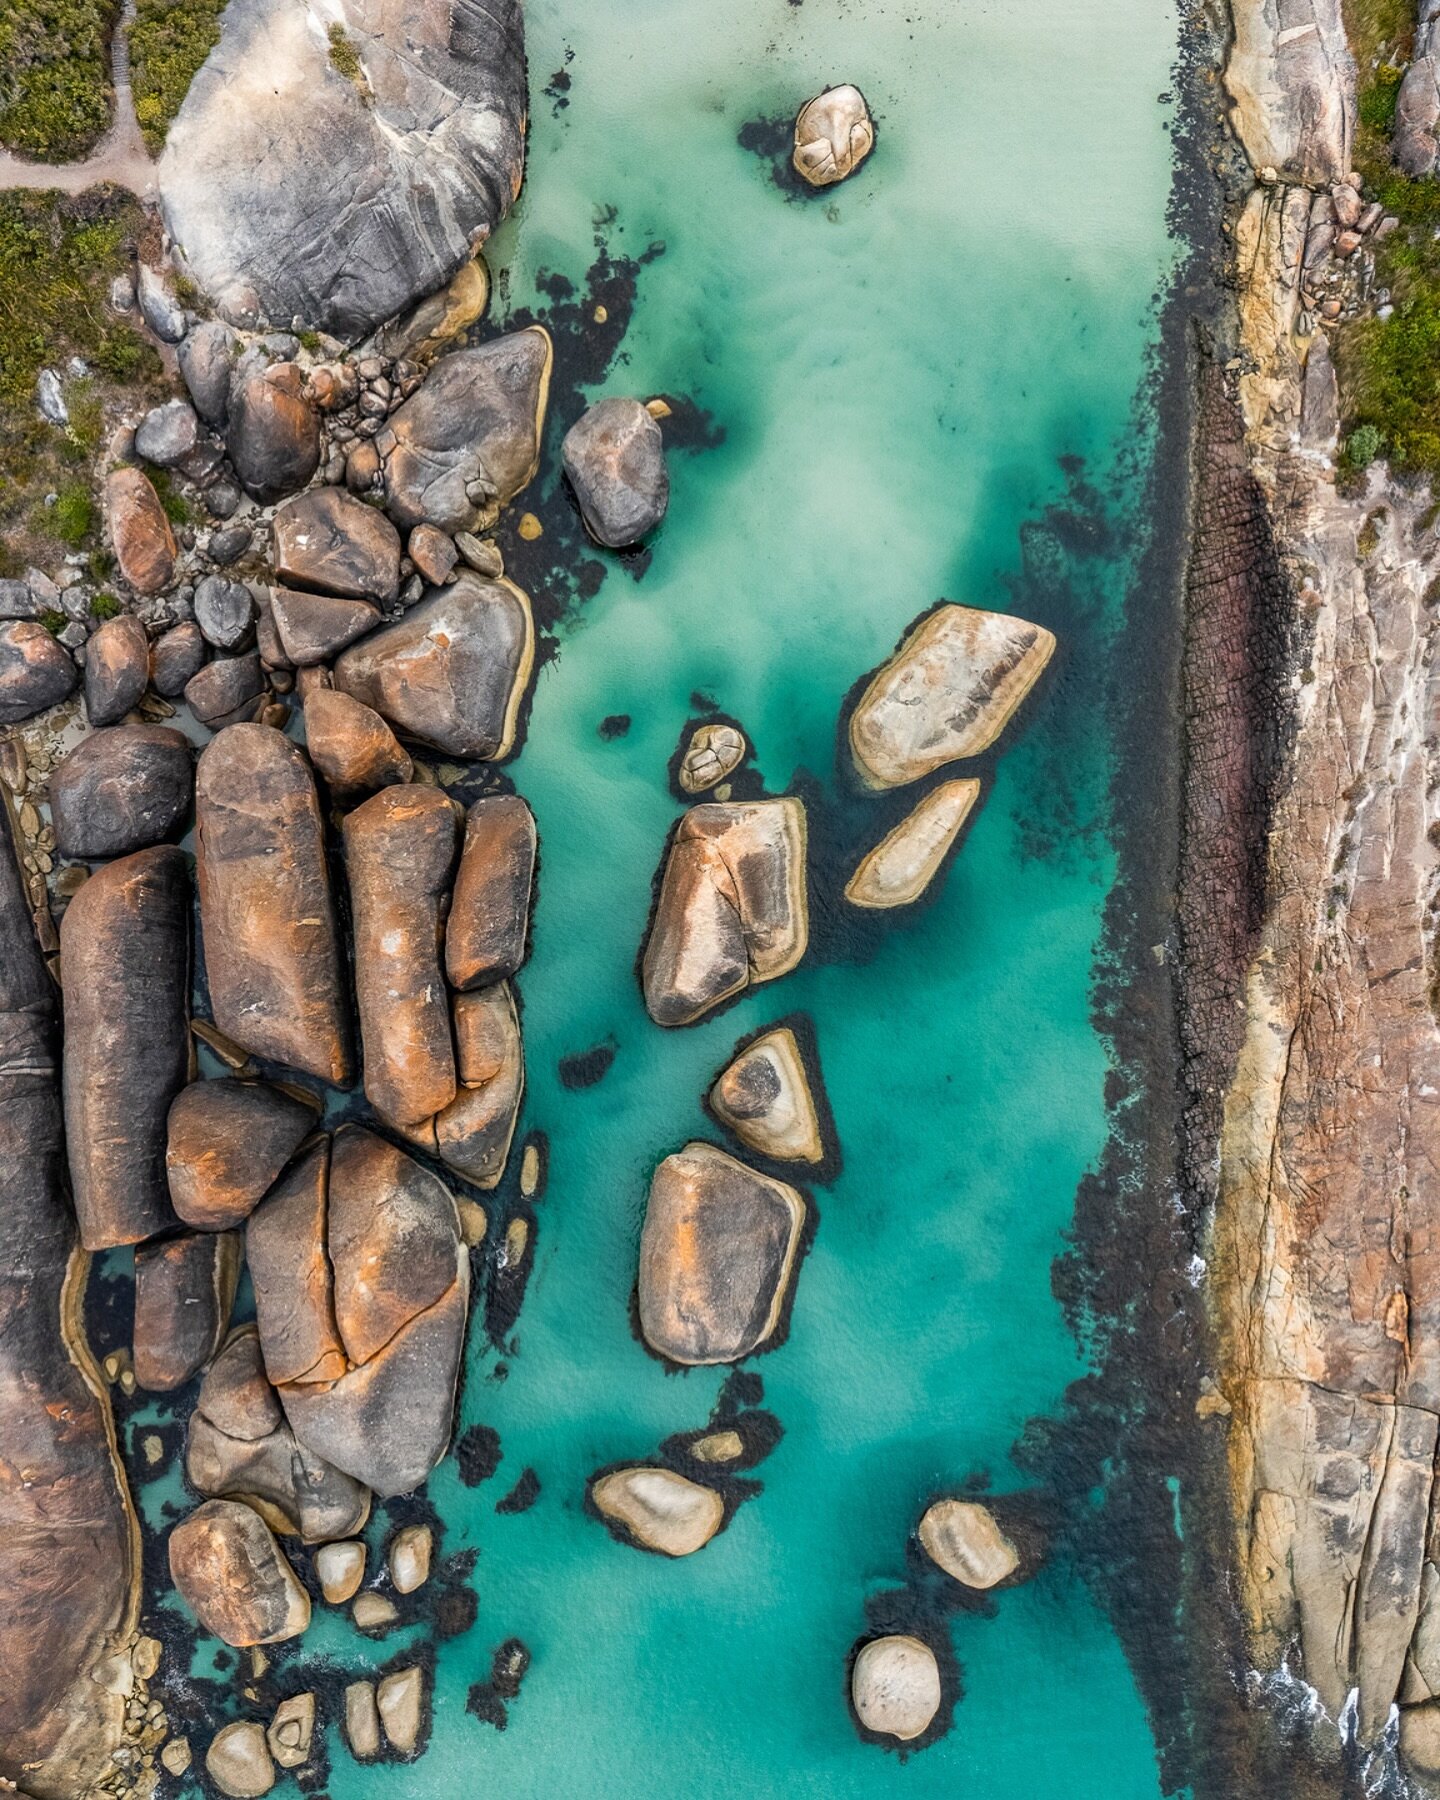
[[1338, 266]]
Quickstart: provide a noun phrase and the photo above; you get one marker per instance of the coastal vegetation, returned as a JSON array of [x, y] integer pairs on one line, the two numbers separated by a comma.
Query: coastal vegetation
[[168, 42], [54, 83]]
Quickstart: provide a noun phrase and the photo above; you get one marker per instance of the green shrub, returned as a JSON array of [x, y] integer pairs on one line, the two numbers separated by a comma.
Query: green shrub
[[104, 606], [168, 42], [54, 76], [177, 508], [345, 58], [53, 621], [73, 516]]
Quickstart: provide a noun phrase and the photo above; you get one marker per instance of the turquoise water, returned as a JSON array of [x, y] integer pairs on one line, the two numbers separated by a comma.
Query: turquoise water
[[897, 371]]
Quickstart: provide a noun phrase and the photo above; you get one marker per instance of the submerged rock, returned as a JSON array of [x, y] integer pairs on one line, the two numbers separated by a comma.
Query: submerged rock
[[140, 533], [614, 456], [234, 1577], [732, 910], [329, 540], [35, 671], [227, 1142], [351, 745], [659, 1509], [117, 669], [490, 913], [121, 790], [453, 671], [713, 754], [833, 136], [764, 1098], [184, 1290], [964, 1539], [895, 1687], [904, 863], [716, 1256], [948, 691], [274, 432]]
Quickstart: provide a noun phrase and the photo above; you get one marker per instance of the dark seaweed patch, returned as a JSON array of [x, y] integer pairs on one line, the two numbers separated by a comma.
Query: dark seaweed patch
[[586, 1067], [522, 1496], [614, 725], [477, 1454]]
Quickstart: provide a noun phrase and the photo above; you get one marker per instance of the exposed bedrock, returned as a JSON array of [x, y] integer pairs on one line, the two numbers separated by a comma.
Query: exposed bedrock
[[1417, 107], [184, 1289], [763, 1096], [351, 745], [660, 1510], [125, 961], [69, 1551], [733, 907], [272, 957], [1291, 82], [399, 853], [233, 1576], [226, 1143], [332, 166], [120, 790], [906, 860], [490, 911], [614, 456], [717, 1252]]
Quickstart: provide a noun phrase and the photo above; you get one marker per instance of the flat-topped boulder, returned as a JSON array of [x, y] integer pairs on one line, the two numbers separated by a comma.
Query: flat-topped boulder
[[311, 628], [717, 1252], [351, 745], [125, 969], [468, 439], [947, 692], [834, 134], [330, 541], [764, 1097], [895, 1687], [614, 457], [36, 672], [660, 1510], [273, 434], [184, 1290], [473, 1133], [226, 1143], [117, 669], [233, 1576], [333, 171], [453, 671], [490, 912], [121, 789], [272, 956], [733, 908], [965, 1539], [906, 860], [140, 533], [400, 850]]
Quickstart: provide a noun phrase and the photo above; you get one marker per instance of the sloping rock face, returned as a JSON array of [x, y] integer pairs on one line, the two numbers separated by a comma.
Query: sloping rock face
[[1291, 82], [69, 1553], [334, 164]]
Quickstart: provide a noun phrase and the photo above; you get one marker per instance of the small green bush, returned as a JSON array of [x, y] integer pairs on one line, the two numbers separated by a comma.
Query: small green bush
[[168, 42], [345, 58], [73, 516], [177, 508], [53, 621], [1363, 445], [104, 606]]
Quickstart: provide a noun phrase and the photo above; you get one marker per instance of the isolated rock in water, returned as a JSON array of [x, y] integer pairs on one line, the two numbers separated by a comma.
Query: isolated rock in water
[[337, 175], [312, 627], [469, 437], [224, 611], [234, 1577], [329, 540], [764, 1098], [903, 864], [226, 691], [1288, 74], [207, 359], [399, 853], [117, 669], [659, 1509], [453, 671], [167, 434], [35, 671], [272, 956], [227, 1142], [474, 1132], [362, 1718], [490, 913], [614, 456], [833, 136], [274, 432], [712, 755], [716, 1255], [238, 1761], [125, 966], [351, 745], [408, 1558], [292, 1731], [121, 790], [895, 1687], [184, 1289], [143, 542], [718, 1447], [948, 691], [340, 1568], [964, 1539], [176, 656], [732, 910], [400, 1701]]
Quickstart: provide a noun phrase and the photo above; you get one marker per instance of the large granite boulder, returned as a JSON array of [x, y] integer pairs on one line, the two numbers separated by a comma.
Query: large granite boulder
[[660, 1510], [716, 1255], [332, 167], [274, 432], [895, 1687], [453, 671], [184, 1290], [206, 356], [125, 967], [614, 457], [399, 853], [474, 1132], [234, 1577], [764, 1097], [905, 861], [362, 1284], [121, 790], [329, 540], [35, 671], [964, 1538], [833, 135], [311, 628], [117, 669], [713, 754], [140, 533], [490, 912], [351, 745], [1291, 81], [226, 1144], [732, 910], [272, 955], [468, 439], [228, 691], [948, 691]]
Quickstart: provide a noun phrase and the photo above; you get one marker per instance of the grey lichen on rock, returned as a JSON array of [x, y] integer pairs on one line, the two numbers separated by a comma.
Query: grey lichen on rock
[[834, 133], [659, 1509], [764, 1097], [895, 1687], [904, 863]]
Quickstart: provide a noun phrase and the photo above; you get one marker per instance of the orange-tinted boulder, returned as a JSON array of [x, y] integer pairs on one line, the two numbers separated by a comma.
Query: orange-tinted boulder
[[226, 1145], [117, 669], [140, 532], [351, 745], [311, 628], [274, 433], [330, 541], [184, 1289], [490, 912], [234, 1577]]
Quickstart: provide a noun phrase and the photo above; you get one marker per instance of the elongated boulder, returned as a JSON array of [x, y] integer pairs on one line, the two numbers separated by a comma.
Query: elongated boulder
[[469, 437], [35, 671], [140, 533], [121, 790], [733, 908], [311, 628], [176, 657], [490, 912], [614, 457], [330, 541], [764, 1097], [965, 1539], [206, 357], [895, 1687], [833, 136], [948, 691], [660, 1510], [117, 669], [184, 1290], [125, 963], [905, 861], [234, 1577], [474, 1132], [453, 671], [285, 1250], [399, 853], [335, 168], [68, 1558], [716, 1255], [271, 952], [226, 1143], [274, 432], [351, 745]]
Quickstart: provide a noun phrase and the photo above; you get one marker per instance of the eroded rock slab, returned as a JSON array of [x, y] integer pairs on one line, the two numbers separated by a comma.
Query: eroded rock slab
[[764, 1097], [906, 860], [614, 456], [234, 1577], [330, 541], [227, 1142], [184, 1290], [1291, 81], [490, 913], [121, 790], [660, 1510]]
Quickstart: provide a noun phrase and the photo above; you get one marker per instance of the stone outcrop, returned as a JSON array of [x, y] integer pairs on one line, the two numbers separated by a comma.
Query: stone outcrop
[[965, 1539], [717, 1252], [35, 671], [614, 456], [1291, 82], [121, 790], [351, 745], [660, 1510], [906, 860], [895, 1687], [226, 1144], [330, 541], [140, 533], [272, 956], [834, 134], [233, 1576], [333, 167], [184, 1290], [764, 1097], [733, 907], [1417, 108], [490, 911], [117, 669]]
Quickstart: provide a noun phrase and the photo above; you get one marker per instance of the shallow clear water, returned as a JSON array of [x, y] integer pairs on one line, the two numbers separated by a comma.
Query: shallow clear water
[[897, 371]]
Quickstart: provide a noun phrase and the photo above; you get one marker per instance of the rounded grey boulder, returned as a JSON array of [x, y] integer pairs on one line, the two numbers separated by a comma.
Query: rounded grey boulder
[[224, 611], [35, 671], [615, 458], [121, 789]]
